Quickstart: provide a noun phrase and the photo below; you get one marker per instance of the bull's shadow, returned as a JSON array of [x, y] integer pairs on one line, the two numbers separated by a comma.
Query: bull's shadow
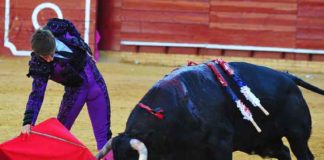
[[190, 115]]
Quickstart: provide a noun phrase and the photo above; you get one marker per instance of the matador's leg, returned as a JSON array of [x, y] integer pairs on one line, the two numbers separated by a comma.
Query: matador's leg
[[99, 111], [71, 105]]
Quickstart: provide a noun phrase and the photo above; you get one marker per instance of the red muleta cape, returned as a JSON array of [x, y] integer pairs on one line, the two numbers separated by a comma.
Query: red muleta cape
[[49, 140]]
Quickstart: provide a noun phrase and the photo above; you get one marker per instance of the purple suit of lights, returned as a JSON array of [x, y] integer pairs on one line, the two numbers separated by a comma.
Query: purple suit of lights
[[77, 72]]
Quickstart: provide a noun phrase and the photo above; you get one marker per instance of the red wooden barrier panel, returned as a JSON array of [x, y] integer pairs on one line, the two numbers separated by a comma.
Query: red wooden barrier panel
[[109, 24], [266, 28], [310, 24], [254, 23], [283, 24], [22, 17], [165, 21]]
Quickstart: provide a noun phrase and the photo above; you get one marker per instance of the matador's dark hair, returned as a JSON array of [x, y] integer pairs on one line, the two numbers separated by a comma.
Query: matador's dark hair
[[43, 42]]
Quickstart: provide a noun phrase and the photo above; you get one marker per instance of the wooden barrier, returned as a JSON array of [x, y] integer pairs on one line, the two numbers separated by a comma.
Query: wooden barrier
[[288, 26], [280, 29]]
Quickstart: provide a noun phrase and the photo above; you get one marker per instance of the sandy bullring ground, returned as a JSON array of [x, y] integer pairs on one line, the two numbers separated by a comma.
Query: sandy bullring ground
[[127, 83]]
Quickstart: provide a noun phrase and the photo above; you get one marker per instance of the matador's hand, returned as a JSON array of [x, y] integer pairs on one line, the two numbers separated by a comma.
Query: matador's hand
[[26, 129]]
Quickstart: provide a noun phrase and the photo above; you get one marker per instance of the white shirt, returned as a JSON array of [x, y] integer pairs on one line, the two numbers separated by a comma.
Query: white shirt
[[60, 46]]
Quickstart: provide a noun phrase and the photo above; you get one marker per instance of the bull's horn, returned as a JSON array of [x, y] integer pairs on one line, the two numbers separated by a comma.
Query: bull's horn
[[140, 147], [105, 149]]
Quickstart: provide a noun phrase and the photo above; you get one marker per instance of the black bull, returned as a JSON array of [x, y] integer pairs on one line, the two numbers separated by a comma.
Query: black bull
[[201, 122]]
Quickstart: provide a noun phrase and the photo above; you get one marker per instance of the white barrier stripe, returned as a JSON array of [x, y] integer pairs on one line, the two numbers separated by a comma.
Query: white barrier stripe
[[56, 138], [223, 46], [87, 21]]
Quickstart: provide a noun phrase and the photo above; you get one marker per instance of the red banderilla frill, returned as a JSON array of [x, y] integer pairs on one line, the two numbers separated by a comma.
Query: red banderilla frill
[[156, 112]]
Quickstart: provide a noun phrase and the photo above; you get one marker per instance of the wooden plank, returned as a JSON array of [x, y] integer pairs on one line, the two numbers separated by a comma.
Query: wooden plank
[[164, 38], [252, 38], [115, 43], [112, 22], [164, 28], [26, 25], [250, 10], [2, 26], [310, 34], [253, 18], [302, 57], [252, 27], [288, 1], [168, 17], [21, 39], [2, 4], [182, 50], [309, 44], [129, 48], [314, 11], [251, 15], [251, 6], [109, 24], [311, 3], [44, 15], [271, 55], [2, 8], [255, 4], [210, 52], [290, 56], [318, 57], [166, 5], [310, 22], [23, 46], [21, 17], [131, 27], [64, 5], [310, 25], [235, 53], [78, 14], [1, 39], [152, 49], [18, 35], [4, 51], [111, 42]]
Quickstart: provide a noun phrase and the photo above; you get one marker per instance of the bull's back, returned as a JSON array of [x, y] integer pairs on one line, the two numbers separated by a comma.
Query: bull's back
[[199, 85], [263, 81], [214, 107]]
